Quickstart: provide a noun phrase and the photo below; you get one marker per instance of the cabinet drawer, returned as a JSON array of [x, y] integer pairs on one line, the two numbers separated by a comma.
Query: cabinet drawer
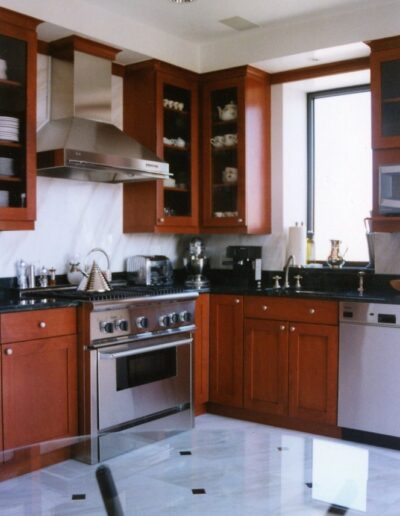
[[37, 324], [290, 309]]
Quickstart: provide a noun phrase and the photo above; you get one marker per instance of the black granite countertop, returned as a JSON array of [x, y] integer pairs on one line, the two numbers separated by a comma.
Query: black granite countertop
[[9, 303]]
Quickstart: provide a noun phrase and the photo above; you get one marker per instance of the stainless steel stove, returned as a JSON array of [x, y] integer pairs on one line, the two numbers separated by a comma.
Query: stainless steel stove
[[135, 365]]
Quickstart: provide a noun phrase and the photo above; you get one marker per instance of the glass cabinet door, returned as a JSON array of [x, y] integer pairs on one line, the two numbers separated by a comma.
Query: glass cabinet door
[[390, 98], [177, 151], [13, 120]]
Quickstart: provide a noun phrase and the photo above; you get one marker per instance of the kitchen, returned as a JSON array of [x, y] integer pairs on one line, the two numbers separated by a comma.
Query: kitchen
[[79, 206]]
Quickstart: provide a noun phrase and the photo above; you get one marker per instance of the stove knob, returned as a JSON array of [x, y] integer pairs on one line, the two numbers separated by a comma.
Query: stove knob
[[107, 327], [142, 322], [122, 324], [185, 316], [164, 321], [174, 318]]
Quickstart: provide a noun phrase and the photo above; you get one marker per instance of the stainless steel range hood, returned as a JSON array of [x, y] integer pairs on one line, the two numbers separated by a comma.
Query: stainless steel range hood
[[80, 142]]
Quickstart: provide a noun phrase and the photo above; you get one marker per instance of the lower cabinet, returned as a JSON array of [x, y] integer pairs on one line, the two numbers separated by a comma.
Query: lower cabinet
[[275, 359], [38, 385], [201, 354], [226, 350]]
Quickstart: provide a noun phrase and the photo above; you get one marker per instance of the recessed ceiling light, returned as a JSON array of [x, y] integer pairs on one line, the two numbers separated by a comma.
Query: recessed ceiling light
[[238, 23], [182, 1]]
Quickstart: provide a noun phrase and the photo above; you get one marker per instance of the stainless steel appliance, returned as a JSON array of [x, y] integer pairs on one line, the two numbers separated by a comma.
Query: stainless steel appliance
[[80, 142], [149, 270], [196, 264], [389, 189], [369, 365], [135, 356]]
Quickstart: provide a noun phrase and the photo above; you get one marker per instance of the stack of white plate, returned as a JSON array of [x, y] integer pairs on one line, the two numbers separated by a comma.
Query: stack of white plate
[[9, 128], [6, 166]]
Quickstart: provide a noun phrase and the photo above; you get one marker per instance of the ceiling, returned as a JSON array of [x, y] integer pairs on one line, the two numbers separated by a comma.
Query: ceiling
[[198, 26]]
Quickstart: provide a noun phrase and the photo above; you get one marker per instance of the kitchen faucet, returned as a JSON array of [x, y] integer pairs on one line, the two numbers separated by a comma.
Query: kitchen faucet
[[289, 261]]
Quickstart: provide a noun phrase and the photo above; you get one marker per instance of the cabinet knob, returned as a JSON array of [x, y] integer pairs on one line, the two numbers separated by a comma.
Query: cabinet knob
[[42, 324], [312, 311], [8, 351], [237, 301], [282, 327], [264, 308], [240, 221], [293, 328], [161, 220]]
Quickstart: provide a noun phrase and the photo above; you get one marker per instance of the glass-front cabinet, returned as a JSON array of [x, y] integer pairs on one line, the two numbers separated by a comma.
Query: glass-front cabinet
[[17, 121], [161, 111], [236, 167]]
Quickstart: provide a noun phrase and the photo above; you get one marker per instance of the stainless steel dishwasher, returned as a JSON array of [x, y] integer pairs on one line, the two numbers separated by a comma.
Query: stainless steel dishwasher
[[369, 368]]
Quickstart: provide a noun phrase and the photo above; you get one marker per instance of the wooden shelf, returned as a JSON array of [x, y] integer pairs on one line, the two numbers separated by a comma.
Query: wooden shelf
[[224, 148], [220, 123], [393, 100], [225, 185], [8, 143], [176, 111], [11, 84], [9, 179], [176, 189], [176, 148]]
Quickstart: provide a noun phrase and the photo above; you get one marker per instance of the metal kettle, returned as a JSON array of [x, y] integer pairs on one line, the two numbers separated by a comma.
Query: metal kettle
[[94, 281]]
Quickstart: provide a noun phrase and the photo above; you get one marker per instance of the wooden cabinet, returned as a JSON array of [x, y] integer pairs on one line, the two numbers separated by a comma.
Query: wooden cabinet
[[265, 366], [161, 111], [201, 354], [226, 350], [39, 376], [291, 367], [385, 87], [313, 372], [236, 151], [17, 121]]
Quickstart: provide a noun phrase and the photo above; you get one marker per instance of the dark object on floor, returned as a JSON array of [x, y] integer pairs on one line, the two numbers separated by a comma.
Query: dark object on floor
[[198, 491], [108, 491], [78, 497]]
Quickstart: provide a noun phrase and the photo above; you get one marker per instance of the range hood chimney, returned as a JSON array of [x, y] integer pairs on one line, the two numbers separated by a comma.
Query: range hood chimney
[[80, 142]]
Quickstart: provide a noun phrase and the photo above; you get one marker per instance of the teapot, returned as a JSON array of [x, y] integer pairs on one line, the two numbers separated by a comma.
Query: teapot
[[228, 112]]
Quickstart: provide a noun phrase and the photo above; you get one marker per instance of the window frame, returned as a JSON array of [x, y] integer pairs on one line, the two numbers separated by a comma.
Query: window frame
[[311, 97]]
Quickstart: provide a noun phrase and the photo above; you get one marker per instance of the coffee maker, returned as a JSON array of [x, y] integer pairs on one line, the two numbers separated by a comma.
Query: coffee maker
[[196, 264], [246, 264]]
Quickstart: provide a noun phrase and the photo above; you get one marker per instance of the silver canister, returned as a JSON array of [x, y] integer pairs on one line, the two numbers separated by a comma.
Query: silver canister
[[31, 276]]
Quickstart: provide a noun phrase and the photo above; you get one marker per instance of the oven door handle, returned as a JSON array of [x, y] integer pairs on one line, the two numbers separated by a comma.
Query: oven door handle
[[110, 355]]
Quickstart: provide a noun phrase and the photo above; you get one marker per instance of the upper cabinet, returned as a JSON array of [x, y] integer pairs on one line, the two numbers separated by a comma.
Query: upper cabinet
[[161, 111], [18, 47], [236, 151]]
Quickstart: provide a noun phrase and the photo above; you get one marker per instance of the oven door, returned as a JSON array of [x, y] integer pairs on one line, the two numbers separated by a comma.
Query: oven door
[[143, 380]]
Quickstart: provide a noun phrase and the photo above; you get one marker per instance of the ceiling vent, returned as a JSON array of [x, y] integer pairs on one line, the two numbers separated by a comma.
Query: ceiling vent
[[238, 23]]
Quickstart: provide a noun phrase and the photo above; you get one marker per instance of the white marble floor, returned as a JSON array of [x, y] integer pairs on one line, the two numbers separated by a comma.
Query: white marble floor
[[238, 468]]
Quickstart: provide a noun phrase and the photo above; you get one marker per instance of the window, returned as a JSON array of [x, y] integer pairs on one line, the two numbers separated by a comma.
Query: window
[[339, 170]]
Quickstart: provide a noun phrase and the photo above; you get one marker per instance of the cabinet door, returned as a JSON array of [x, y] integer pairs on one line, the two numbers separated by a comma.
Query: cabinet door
[[17, 122], [226, 350], [385, 87], [266, 366], [161, 111], [313, 372], [224, 158], [201, 353], [39, 390]]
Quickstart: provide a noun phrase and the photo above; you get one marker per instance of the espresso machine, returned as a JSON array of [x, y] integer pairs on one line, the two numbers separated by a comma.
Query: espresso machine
[[196, 264], [246, 264]]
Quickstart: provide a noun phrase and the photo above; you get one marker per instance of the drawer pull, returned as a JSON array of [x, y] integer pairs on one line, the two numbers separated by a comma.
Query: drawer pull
[[293, 328], [42, 324], [8, 351], [264, 308], [237, 301], [240, 221], [312, 311], [282, 327]]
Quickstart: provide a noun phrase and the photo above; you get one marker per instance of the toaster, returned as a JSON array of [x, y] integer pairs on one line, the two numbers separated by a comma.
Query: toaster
[[149, 270]]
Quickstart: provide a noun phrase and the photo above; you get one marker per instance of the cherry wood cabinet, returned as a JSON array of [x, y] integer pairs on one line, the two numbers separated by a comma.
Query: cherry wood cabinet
[[236, 151], [291, 347], [265, 366], [226, 350], [39, 376], [18, 47], [313, 372], [201, 354], [161, 111]]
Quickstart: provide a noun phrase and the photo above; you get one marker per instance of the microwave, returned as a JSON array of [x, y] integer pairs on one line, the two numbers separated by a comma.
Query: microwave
[[389, 189]]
